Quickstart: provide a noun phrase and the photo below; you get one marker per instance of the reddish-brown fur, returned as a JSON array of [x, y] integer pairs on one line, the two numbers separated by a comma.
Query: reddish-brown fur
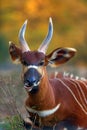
[[50, 94], [57, 90]]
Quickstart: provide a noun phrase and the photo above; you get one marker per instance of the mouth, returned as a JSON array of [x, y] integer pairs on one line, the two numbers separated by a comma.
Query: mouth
[[30, 88]]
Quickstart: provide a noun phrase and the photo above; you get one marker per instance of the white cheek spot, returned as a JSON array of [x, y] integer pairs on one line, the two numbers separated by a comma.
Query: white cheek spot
[[36, 84], [16, 61]]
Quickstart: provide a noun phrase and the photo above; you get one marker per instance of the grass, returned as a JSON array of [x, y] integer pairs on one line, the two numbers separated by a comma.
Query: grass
[[11, 105], [12, 123]]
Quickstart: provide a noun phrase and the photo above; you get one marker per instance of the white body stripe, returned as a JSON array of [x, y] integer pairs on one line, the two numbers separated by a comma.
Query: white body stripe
[[82, 92], [84, 83], [73, 96], [44, 113], [75, 85]]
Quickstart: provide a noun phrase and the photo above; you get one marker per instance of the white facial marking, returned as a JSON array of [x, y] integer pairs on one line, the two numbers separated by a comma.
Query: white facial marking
[[44, 113], [39, 69], [30, 66], [36, 84], [33, 66], [29, 89]]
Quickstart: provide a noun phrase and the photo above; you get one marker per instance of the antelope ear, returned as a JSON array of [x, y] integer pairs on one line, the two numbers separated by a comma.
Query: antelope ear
[[15, 53], [60, 56]]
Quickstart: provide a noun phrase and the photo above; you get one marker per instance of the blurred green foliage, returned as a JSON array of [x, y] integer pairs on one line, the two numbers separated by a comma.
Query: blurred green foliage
[[69, 19], [12, 123], [3, 48]]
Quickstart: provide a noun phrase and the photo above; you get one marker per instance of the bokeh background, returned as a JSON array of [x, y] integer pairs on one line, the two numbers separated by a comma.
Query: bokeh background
[[69, 19]]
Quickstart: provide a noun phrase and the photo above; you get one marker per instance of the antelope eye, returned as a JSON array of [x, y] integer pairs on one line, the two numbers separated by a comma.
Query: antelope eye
[[24, 63], [41, 63]]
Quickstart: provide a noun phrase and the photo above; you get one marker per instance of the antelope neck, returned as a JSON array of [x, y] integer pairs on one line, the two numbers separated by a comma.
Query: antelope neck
[[44, 113], [44, 98]]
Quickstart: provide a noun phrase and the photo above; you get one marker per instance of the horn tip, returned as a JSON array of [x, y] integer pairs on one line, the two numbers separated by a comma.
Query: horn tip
[[26, 21], [22, 30], [50, 19], [51, 23]]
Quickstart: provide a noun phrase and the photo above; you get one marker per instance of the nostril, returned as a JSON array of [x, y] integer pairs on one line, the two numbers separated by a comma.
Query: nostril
[[29, 82]]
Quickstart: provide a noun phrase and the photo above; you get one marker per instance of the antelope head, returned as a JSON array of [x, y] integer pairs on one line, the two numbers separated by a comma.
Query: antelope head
[[34, 62]]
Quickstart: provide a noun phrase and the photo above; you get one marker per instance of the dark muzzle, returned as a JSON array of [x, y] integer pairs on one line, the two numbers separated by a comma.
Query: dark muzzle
[[32, 79]]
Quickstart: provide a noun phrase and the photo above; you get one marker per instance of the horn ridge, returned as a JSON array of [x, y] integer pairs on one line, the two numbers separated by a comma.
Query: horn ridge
[[45, 43]]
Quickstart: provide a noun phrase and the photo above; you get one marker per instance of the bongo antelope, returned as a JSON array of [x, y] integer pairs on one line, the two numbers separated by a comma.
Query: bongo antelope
[[50, 99]]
